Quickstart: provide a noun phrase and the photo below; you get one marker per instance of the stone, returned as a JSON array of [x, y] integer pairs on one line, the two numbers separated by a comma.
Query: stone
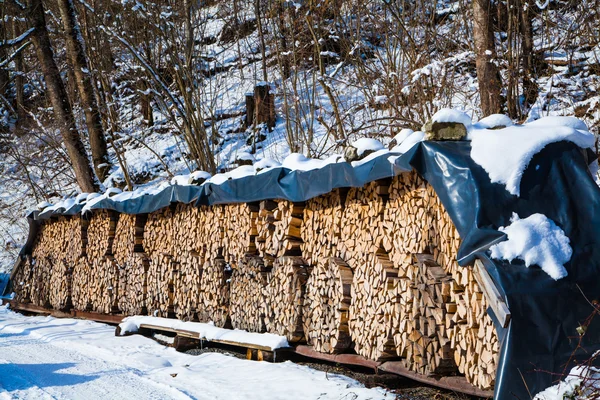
[[444, 131]]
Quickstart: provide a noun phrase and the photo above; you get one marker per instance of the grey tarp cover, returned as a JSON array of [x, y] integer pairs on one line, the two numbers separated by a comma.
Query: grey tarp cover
[[541, 338]]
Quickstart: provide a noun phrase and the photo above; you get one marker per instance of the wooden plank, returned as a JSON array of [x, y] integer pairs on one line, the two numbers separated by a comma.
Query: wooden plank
[[29, 307], [196, 335], [491, 293], [455, 383], [247, 345], [105, 318], [180, 332], [348, 359]]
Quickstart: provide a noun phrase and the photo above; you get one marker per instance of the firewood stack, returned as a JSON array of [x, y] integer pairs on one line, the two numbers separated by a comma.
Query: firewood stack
[[373, 303], [214, 293], [186, 288], [284, 297], [369, 269], [132, 285], [240, 231], [102, 285], [212, 234], [372, 308], [247, 288], [326, 304], [60, 242], [279, 229], [80, 286], [471, 330], [441, 324], [322, 227], [131, 263], [60, 285], [23, 281], [160, 245], [409, 226], [188, 256]]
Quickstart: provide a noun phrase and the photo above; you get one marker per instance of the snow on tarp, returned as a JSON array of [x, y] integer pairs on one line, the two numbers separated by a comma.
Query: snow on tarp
[[505, 153], [537, 241], [206, 331], [366, 144]]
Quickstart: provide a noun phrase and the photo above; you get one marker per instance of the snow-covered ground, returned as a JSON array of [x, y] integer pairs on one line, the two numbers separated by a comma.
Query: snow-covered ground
[[50, 358]]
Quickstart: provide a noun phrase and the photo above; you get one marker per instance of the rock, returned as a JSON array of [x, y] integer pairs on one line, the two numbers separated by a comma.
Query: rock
[[444, 131], [351, 154], [361, 149]]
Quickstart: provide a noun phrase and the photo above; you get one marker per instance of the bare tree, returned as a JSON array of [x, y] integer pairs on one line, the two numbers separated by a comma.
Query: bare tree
[[485, 49], [83, 82], [61, 105]]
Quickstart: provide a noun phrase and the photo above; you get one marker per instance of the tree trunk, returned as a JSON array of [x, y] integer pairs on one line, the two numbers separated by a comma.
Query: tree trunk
[[485, 49], [4, 77], [530, 87], [19, 80], [55, 89], [83, 83], [189, 35]]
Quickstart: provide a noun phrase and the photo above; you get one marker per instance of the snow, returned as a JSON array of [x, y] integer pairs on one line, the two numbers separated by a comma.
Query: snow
[[48, 358], [582, 381], [207, 331], [366, 144], [266, 163], [402, 135], [505, 153], [241, 156], [537, 241], [299, 162], [409, 141], [43, 205], [452, 115], [494, 121]]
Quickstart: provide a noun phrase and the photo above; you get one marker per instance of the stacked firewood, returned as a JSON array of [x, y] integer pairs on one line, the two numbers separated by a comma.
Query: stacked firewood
[[248, 282], [131, 263], [373, 304], [102, 285], [22, 281], [372, 300], [369, 269], [240, 231], [214, 293], [80, 286], [186, 288], [322, 227], [326, 304], [441, 324], [132, 285], [283, 298], [279, 229], [59, 244]]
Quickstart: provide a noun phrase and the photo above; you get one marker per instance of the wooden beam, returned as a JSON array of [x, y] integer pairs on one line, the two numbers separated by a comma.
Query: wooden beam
[[348, 359], [487, 285], [455, 383]]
